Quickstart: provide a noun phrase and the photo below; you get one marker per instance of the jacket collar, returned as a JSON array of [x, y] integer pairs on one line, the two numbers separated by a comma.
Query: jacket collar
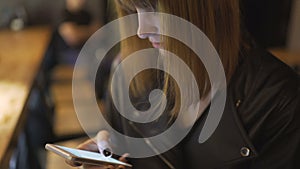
[[230, 143]]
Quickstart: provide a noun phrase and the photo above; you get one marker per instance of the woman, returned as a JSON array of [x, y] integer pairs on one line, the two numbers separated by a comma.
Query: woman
[[259, 128]]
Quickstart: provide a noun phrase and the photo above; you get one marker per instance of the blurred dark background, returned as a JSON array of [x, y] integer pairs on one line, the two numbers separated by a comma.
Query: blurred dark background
[[268, 21], [41, 11]]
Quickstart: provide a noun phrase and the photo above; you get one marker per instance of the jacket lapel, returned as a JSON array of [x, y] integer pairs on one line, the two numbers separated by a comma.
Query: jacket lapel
[[228, 145]]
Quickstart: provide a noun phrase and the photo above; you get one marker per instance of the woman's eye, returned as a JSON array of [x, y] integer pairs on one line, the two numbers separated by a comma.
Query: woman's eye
[[146, 5], [141, 10], [149, 9]]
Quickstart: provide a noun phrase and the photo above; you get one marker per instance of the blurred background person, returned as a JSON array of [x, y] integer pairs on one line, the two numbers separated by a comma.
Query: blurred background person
[[76, 26]]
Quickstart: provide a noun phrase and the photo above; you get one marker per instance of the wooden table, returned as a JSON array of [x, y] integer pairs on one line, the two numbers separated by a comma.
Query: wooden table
[[21, 54], [291, 58]]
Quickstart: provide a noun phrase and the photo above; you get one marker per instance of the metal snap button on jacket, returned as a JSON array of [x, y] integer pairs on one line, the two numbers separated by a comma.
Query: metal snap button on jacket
[[245, 152], [238, 103]]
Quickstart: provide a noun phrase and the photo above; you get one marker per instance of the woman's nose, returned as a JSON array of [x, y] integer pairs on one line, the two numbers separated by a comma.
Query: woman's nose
[[147, 26]]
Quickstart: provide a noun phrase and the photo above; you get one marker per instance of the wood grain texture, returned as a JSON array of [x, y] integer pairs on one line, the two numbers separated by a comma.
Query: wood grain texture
[[21, 54]]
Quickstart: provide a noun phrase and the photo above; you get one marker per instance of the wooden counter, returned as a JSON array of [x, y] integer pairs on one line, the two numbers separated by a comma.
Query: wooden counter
[[21, 54], [291, 58]]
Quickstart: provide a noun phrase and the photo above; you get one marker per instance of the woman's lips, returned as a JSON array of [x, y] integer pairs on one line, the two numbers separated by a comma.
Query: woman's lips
[[156, 44]]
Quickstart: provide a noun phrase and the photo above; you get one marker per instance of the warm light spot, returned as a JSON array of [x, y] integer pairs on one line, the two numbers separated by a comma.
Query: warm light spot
[[12, 98]]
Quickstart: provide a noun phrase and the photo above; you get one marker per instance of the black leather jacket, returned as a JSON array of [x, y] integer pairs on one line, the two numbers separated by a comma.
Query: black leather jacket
[[260, 127]]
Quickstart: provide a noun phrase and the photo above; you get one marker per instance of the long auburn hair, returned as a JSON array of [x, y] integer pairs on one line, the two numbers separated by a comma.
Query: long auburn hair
[[218, 19]]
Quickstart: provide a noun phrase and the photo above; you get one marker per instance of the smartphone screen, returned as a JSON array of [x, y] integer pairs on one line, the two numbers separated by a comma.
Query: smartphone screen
[[82, 154]]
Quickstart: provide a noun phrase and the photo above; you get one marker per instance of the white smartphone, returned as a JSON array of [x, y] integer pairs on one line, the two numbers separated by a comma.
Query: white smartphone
[[82, 156]]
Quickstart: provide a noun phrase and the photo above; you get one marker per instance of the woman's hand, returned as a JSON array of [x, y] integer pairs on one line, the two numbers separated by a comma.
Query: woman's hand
[[101, 143], [86, 166]]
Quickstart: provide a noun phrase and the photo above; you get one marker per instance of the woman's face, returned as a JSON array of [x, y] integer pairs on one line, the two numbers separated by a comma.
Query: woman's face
[[149, 27]]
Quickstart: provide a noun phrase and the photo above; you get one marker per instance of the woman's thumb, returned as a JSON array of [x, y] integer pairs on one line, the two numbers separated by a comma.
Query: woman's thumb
[[104, 144]]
